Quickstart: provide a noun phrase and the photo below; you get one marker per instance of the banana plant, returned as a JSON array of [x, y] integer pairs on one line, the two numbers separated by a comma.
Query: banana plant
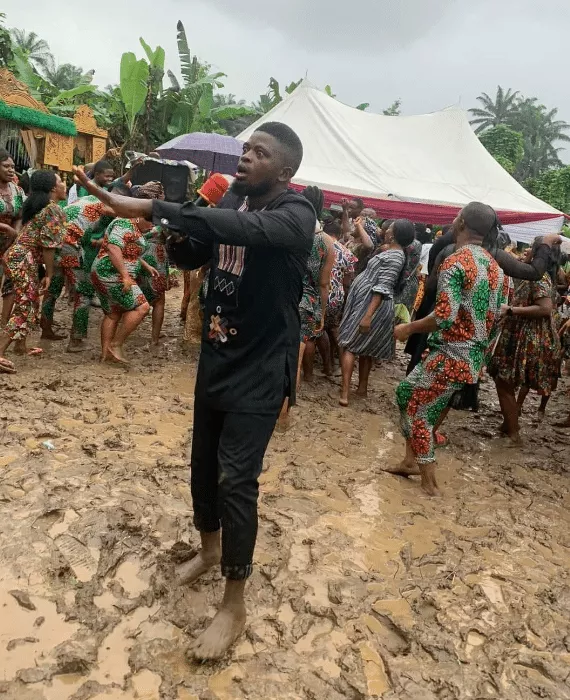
[[192, 103], [133, 88]]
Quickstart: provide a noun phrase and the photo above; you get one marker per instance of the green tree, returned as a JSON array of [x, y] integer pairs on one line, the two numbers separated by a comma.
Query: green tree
[[35, 50], [394, 109], [552, 186], [6, 52], [542, 132], [501, 110], [505, 145]]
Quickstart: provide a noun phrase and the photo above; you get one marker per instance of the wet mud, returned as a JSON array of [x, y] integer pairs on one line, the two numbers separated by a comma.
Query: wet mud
[[363, 587]]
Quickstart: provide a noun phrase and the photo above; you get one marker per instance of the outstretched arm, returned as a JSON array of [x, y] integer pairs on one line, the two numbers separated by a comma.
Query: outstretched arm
[[126, 207]]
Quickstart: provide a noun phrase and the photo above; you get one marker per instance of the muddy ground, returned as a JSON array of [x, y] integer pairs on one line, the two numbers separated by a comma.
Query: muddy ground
[[363, 587]]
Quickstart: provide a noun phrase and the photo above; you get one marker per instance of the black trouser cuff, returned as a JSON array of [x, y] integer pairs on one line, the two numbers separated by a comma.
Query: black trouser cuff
[[237, 572]]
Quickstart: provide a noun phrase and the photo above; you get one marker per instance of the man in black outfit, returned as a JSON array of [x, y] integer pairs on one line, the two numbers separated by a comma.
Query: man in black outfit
[[257, 240]]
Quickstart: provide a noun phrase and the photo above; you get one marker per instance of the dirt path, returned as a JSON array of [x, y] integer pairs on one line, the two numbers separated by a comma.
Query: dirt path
[[363, 587]]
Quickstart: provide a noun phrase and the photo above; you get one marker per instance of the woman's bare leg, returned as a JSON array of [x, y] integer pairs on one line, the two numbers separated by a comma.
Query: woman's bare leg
[[542, 408], [347, 361], [364, 367], [157, 318], [300, 363], [523, 393], [509, 408], [131, 321], [324, 347], [309, 361], [108, 328], [7, 306]]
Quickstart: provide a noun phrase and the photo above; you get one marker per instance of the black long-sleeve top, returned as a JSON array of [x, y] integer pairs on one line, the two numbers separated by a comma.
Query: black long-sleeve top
[[443, 247], [251, 332]]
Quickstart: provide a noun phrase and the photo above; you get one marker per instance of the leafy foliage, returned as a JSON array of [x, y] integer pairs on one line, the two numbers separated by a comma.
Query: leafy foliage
[[540, 129], [552, 186], [394, 109], [6, 49], [505, 145]]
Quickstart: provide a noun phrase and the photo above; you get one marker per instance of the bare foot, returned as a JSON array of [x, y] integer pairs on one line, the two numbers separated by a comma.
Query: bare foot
[[225, 628], [361, 393], [115, 354], [76, 345], [191, 570], [429, 484], [49, 334], [405, 468], [541, 416], [503, 428]]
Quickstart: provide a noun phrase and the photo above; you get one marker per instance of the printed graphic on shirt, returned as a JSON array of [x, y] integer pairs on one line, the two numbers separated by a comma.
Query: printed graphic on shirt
[[219, 331], [231, 259]]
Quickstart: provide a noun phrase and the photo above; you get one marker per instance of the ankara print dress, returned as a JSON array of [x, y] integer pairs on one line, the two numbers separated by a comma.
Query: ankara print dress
[[10, 210], [471, 289], [84, 218], [529, 351], [21, 262], [310, 308], [345, 263], [154, 255], [126, 235]]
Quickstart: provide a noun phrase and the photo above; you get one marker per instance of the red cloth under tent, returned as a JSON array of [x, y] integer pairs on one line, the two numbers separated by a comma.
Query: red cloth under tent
[[420, 212]]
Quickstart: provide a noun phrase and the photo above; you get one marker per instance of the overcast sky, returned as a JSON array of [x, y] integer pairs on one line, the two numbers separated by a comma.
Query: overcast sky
[[429, 53]]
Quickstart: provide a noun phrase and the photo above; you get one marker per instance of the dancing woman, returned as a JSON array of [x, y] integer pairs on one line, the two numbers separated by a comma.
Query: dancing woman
[[41, 235], [367, 325], [114, 274]]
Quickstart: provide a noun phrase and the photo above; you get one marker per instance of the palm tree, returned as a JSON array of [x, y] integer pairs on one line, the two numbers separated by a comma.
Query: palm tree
[[36, 50], [64, 77], [542, 132], [500, 111]]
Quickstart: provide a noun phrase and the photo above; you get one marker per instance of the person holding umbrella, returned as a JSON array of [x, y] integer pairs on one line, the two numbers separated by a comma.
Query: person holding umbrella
[[258, 240]]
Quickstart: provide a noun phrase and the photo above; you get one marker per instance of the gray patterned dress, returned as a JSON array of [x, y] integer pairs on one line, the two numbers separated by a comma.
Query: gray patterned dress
[[380, 277]]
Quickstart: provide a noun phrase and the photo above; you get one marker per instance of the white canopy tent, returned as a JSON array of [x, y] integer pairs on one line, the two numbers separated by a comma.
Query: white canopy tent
[[424, 167]]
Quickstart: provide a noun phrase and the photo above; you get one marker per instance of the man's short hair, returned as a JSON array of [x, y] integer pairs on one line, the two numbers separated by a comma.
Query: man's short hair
[[288, 139], [479, 218], [100, 166]]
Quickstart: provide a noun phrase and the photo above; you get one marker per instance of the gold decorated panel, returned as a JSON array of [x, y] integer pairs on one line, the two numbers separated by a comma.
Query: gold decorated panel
[[58, 151], [86, 124], [99, 149], [15, 93]]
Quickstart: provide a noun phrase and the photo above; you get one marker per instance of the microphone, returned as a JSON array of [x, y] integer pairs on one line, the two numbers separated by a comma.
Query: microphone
[[212, 191]]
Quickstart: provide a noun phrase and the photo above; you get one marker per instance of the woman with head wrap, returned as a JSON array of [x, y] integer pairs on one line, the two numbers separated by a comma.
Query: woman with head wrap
[[411, 275], [114, 275], [529, 353], [42, 234]]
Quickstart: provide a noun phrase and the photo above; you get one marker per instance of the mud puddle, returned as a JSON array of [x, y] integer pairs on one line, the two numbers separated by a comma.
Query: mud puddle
[[363, 588]]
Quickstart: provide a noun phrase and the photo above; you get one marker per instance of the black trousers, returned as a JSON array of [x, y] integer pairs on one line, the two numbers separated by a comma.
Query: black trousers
[[227, 458]]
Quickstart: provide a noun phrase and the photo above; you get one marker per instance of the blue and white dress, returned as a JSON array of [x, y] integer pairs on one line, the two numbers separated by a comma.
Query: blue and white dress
[[380, 277]]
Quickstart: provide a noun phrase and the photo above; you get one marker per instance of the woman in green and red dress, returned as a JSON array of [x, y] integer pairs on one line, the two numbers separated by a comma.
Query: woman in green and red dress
[[114, 274], [528, 354], [154, 278], [41, 236], [11, 203]]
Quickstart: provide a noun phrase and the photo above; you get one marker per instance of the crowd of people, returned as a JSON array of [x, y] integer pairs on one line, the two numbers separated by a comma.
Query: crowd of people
[[282, 281]]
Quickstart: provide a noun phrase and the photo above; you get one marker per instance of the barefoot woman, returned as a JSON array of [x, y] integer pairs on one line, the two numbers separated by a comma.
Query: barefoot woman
[[367, 326], [258, 241], [44, 228], [11, 203], [471, 289], [114, 274]]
